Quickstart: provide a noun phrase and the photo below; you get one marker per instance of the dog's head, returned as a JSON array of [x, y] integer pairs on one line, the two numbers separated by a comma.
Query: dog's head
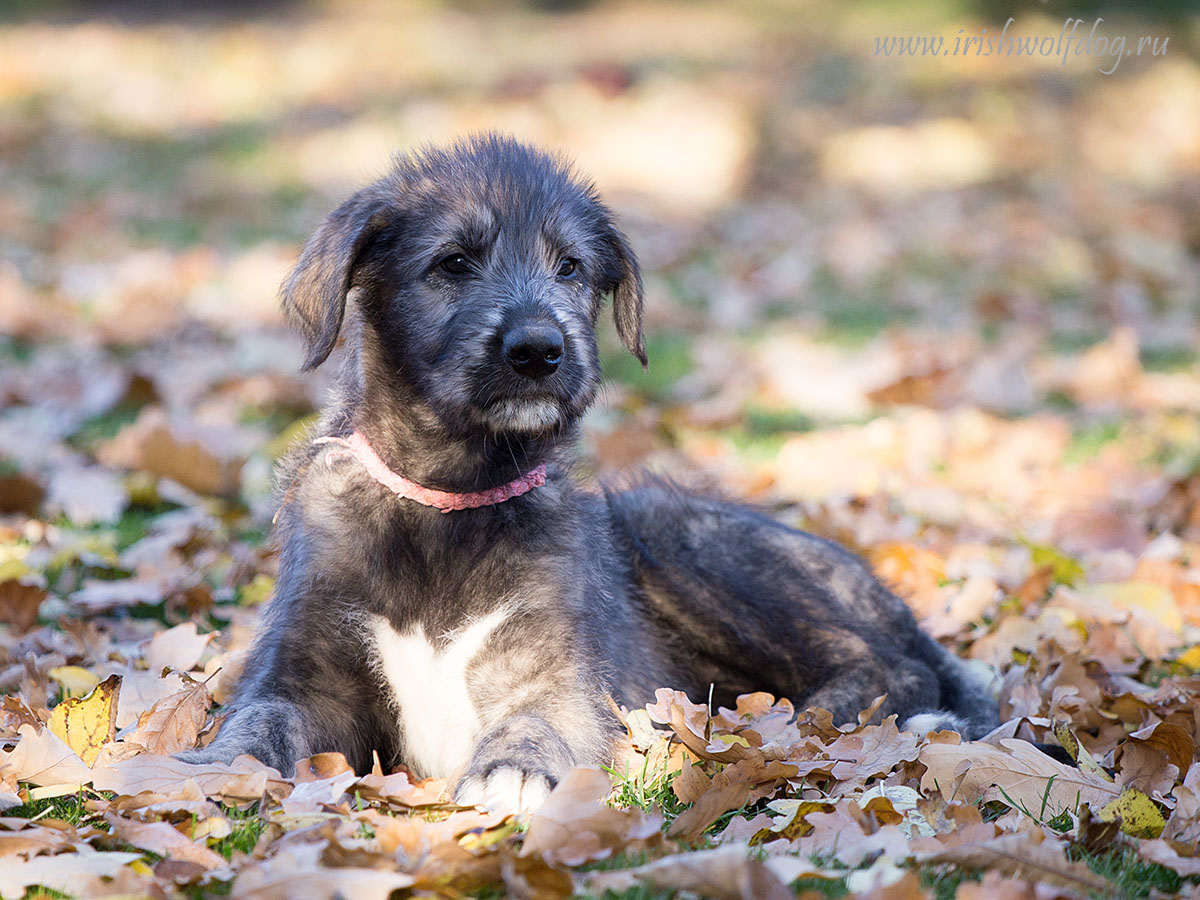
[[480, 271]]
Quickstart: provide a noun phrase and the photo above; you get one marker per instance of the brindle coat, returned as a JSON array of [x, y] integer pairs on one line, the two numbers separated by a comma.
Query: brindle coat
[[589, 594]]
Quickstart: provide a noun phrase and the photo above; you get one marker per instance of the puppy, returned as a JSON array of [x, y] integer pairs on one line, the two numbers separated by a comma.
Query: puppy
[[448, 597]]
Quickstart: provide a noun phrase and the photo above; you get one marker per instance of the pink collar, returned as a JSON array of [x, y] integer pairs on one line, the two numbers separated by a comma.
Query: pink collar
[[446, 501]]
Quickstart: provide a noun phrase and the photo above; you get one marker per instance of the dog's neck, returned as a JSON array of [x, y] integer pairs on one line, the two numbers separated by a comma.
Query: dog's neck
[[412, 442]]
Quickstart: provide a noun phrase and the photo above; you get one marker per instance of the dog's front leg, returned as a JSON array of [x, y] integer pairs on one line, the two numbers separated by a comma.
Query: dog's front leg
[[306, 689], [516, 764], [273, 731], [546, 714]]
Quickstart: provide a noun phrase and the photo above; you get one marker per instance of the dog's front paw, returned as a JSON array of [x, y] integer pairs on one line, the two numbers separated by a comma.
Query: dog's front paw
[[504, 789]]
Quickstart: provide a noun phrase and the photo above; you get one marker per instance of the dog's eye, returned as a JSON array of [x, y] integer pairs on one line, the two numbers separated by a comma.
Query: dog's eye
[[567, 267], [455, 264]]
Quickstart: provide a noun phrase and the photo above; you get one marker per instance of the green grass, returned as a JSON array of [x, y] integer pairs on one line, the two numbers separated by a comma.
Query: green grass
[[248, 827], [68, 808], [1131, 876], [943, 881]]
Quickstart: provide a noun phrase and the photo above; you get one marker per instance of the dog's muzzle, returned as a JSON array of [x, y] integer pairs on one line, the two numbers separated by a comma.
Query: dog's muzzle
[[534, 351]]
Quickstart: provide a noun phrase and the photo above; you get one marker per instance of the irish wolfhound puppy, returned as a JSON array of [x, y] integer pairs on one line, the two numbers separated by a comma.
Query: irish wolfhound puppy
[[447, 595]]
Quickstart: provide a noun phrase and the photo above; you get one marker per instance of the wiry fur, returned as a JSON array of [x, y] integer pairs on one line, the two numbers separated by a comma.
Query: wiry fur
[[606, 594]]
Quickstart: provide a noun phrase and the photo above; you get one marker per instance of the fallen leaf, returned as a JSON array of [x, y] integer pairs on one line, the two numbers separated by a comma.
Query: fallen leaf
[[726, 873], [1030, 855], [1136, 812], [76, 681], [576, 825], [975, 772], [165, 840], [74, 874], [174, 723], [179, 648], [296, 871], [41, 758], [88, 723], [20, 600], [243, 781]]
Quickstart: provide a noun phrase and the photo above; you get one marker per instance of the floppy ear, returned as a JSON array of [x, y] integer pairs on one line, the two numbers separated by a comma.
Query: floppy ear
[[626, 286], [314, 295]]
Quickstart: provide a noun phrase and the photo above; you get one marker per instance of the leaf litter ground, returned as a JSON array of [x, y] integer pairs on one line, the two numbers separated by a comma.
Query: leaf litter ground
[[981, 375]]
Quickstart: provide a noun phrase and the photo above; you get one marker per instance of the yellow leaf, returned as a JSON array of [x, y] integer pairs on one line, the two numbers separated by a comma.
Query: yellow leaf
[[732, 739], [1063, 568], [85, 724], [1137, 813], [1076, 750], [1153, 600], [1190, 658], [75, 680]]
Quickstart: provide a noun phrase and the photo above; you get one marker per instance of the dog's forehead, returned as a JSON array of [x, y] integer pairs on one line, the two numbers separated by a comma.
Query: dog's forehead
[[475, 190]]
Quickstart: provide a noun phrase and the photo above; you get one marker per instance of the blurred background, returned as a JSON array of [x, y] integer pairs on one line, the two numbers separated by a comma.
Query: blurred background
[[944, 308]]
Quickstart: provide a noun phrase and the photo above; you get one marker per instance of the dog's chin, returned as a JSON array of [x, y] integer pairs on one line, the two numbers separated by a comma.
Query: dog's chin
[[525, 416]]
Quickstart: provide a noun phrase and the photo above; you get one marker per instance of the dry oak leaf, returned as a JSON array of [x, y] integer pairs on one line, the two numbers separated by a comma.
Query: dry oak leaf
[[165, 840], [75, 874], [187, 799], [296, 871], [1029, 854], [243, 781], [726, 873], [41, 758], [173, 723], [872, 751], [575, 825], [975, 771], [691, 782], [687, 719], [710, 807], [849, 835], [88, 723]]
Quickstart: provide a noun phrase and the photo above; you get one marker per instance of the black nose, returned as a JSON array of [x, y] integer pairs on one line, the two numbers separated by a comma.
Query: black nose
[[533, 350]]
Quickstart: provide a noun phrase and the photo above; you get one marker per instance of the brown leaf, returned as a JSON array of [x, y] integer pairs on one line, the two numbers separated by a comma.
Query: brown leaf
[[41, 758], [1027, 854], [75, 874], [163, 839], [710, 807], [243, 781], [205, 459], [726, 873], [174, 723], [872, 750], [1167, 853], [296, 871], [576, 825], [19, 494], [687, 719], [690, 783], [19, 603], [971, 772]]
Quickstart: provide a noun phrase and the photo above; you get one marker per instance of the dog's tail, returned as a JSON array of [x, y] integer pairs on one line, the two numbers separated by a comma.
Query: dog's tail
[[966, 704]]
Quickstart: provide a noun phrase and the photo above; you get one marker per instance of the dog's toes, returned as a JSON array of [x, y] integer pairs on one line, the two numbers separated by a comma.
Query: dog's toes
[[505, 789]]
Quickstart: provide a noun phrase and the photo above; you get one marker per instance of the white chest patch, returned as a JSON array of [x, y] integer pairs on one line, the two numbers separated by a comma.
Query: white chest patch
[[429, 688]]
